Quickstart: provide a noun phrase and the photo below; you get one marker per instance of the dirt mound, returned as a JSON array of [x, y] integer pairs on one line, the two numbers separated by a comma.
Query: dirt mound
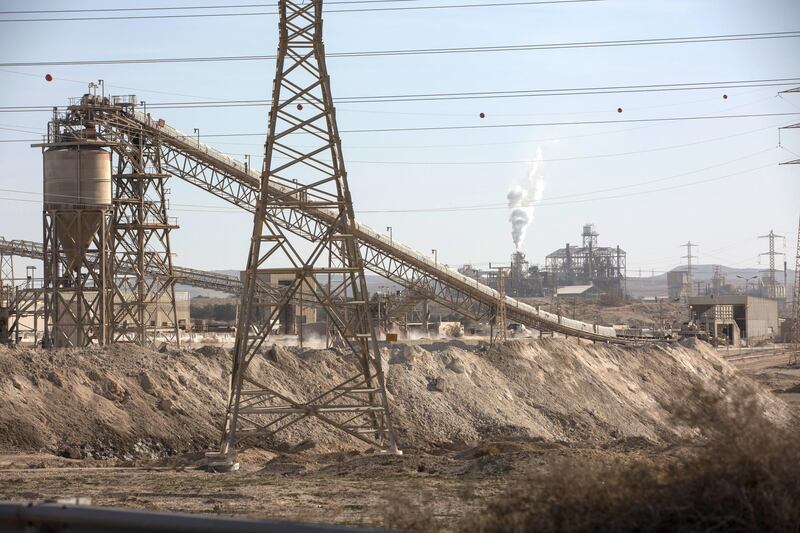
[[128, 402], [120, 401], [552, 389]]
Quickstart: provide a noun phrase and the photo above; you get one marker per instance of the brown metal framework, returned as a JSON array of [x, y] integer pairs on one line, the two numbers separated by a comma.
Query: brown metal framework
[[303, 156], [500, 323], [139, 270], [211, 170], [187, 276], [184, 157], [77, 291], [144, 298], [6, 297]]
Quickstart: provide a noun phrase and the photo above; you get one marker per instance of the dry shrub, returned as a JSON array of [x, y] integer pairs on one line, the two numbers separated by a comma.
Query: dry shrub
[[743, 475], [404, 514]]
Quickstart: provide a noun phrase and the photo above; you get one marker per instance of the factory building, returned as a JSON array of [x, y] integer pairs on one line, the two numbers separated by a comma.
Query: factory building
[[588, 264], [158, 315], [736, 317], [678, 285], [292, 316]]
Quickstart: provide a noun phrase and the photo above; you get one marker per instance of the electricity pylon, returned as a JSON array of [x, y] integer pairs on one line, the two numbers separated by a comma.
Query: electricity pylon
[[771, 281], [304, 169], [689, 287]]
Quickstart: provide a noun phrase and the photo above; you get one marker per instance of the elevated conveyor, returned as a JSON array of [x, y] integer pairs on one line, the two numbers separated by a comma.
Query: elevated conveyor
[[187, 276], [209, 169]]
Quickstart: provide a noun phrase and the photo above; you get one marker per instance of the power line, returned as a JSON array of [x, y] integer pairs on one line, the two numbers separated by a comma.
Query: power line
[[496, 126], [554, 200], [185, 8], [557, 159], [265, 13], [548, 201], [428, 51], [502, 94], [447, 96]]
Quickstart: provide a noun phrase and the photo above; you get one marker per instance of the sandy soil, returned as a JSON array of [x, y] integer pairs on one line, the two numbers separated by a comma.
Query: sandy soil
[[128, 427], [421, 490]]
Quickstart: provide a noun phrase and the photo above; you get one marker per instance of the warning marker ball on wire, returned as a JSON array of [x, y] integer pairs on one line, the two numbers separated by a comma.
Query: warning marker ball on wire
[[48, 77], [299, 107], [619, 110], [483, 115]]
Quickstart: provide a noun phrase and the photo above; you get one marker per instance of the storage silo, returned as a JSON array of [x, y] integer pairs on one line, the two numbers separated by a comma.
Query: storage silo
[[77, 211]]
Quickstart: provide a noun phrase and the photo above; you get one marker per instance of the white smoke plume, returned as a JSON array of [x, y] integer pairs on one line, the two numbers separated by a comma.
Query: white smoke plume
[[522, 198]]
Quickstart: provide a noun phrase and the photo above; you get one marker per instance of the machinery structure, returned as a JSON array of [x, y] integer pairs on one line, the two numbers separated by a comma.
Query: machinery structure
[[590, 264], [77, 237], [184, 157], [500, 325], [107, 257], [7, 295], [303, 158], [525, 280]]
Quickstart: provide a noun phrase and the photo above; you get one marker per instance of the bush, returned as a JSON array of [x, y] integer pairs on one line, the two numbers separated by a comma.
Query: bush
[[743, 476]]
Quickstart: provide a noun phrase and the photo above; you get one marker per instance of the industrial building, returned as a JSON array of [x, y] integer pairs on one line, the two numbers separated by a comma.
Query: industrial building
[[588, 264], [585, 265], [678, 285], [736, 317], [300, 312]]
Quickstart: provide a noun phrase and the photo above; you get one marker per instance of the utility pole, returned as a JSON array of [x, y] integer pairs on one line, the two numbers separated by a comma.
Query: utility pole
[[689, 277], [771, 282]]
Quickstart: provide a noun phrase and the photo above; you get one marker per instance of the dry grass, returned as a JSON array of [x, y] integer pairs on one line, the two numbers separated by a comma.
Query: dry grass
[[744, 475]]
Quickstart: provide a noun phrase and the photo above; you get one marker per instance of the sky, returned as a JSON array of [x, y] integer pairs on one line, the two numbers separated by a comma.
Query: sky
[[648, 187]]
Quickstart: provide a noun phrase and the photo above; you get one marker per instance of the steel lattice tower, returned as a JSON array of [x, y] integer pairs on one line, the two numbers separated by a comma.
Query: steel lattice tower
[[771, 281], [144, 300], [689, 276], [303, 160]]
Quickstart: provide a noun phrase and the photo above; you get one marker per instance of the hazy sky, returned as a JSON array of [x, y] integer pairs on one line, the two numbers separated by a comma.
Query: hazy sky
[[718, 182]]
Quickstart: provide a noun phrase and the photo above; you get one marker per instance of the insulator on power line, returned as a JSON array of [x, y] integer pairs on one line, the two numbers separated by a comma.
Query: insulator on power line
[[48, 77], [483, 115], [619, 110]]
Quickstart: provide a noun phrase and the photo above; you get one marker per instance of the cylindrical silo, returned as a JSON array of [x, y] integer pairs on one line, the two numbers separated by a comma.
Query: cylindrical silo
[[77, 182], [77, 211]]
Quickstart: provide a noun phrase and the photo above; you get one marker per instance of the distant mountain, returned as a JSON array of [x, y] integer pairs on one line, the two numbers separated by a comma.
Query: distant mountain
[[657, 285]]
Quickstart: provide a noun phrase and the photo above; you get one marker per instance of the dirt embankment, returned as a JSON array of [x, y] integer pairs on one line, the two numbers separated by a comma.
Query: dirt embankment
[[127, 402]]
